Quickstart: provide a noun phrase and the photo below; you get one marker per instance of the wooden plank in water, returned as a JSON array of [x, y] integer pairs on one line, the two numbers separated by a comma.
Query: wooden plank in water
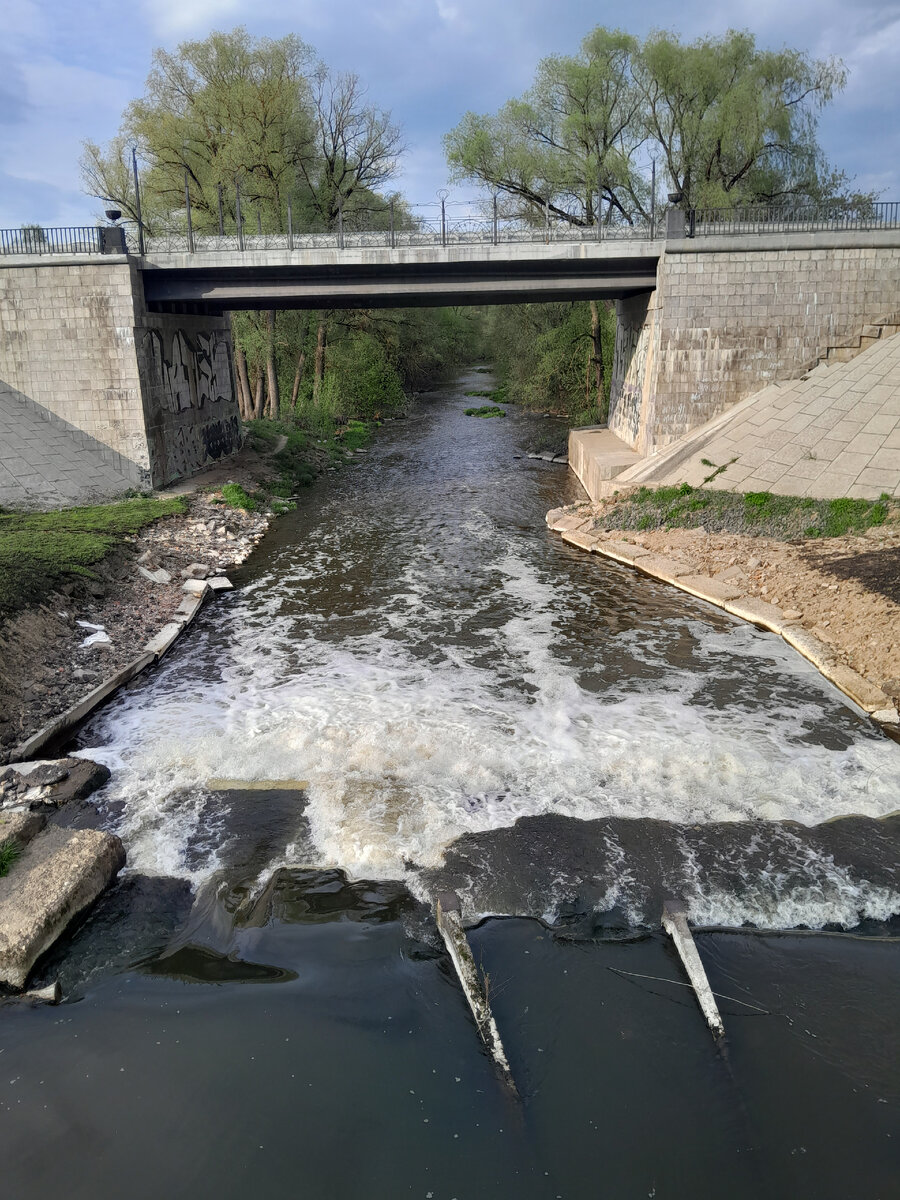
[[257, 785]]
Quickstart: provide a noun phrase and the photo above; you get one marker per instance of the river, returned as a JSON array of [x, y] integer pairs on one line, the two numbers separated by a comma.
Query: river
[[451, 696]]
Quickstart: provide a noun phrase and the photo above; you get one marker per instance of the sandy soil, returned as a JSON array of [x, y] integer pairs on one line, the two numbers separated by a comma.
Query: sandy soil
[[844, 590]]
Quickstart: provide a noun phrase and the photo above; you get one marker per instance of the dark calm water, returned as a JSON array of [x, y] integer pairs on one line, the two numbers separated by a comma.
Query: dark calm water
[[261, 1007]]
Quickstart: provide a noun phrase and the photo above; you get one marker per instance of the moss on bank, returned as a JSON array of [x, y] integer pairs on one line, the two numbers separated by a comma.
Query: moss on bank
[[40, 552], [760, 514]]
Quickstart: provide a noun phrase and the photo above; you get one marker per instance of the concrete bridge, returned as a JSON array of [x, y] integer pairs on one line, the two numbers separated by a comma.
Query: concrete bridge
[[124, 360]]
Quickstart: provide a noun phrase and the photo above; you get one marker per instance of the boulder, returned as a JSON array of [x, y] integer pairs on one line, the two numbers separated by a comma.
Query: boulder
[[59, 874]]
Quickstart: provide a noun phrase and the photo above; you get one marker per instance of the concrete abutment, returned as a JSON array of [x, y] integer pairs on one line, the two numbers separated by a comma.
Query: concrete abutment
[[97, 393], [730, 315]]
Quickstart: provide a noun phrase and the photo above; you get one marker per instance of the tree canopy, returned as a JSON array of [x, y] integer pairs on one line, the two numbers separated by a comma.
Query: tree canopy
[[261, 110], [728, 123]]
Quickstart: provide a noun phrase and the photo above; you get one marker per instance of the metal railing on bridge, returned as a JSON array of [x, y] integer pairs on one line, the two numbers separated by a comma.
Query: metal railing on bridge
[[411, 229], [40, 239], [802, 218]]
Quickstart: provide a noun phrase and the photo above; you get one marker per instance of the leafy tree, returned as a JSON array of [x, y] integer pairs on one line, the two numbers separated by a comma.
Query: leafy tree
[[736, 124], [569, 143], [731, 124]]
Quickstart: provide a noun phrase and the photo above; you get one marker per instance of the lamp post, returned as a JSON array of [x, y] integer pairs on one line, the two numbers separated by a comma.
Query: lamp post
[[137, 200], [442, 196]]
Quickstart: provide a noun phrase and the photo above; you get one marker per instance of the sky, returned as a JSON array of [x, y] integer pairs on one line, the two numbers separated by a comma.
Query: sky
[[69, 67]]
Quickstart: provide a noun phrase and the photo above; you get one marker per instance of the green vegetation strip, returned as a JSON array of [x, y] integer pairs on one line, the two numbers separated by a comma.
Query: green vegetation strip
[[759, 514], [487, 410], [43, 551], [9, 852]]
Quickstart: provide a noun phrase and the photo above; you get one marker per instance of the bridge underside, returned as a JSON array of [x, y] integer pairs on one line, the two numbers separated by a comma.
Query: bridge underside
[[219, 289]]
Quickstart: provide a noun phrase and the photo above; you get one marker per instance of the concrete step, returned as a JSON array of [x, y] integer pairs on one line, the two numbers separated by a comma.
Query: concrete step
[[60, 873], [597, 456]]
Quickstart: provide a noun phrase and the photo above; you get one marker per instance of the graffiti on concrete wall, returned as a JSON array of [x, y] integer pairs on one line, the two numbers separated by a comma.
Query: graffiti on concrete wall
[[189, 373], [628, 377], [189, 382]]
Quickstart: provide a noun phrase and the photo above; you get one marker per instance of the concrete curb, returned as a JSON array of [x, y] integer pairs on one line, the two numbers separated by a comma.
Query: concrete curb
[[149, 656], [749, 608]]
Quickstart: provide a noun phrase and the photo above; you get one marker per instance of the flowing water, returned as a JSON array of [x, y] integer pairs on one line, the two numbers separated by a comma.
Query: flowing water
[[469, 702]]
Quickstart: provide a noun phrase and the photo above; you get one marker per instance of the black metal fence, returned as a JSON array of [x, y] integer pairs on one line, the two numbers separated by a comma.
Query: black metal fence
[[805, 218], [431, 225], [41, 239]]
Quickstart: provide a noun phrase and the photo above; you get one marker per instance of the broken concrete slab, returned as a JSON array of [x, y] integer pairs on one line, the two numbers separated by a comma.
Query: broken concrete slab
[[450, 926], [188, 608], [197, 587], [220, 583], [886, 716], [160, 575], [582, 539], [866, 694], [675, 923], [662, 567], [623, 552], [760, 612], [20, 826], [59, 874], [707, 587], [195, 571], [61, 780], [158, 645], [257, 785]]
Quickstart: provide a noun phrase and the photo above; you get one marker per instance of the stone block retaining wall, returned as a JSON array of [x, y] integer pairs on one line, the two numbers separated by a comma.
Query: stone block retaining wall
[[725, 322]]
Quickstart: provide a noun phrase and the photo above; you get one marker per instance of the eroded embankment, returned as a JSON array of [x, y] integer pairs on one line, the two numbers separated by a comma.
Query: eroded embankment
[[837, 600], [49, 657]]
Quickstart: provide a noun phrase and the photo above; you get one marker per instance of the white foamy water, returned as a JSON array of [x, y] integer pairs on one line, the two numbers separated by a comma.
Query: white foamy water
[[451, 714]]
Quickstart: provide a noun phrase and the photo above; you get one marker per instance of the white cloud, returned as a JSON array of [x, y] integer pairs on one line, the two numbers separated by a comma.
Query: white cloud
[[176, 18]]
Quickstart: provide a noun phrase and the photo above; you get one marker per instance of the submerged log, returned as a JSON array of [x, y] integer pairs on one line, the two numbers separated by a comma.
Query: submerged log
[[674, 921], [449, 922]]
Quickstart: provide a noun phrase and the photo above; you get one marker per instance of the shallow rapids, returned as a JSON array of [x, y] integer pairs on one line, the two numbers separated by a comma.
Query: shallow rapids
[[415, 644]]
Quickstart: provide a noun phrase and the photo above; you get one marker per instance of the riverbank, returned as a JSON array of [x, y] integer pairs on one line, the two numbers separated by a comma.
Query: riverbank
[[50, 652], [844, 590]]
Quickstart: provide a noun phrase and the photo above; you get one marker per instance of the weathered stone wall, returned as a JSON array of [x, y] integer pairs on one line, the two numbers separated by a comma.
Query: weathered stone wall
[[67, 347], [725, 322], [149, 396]]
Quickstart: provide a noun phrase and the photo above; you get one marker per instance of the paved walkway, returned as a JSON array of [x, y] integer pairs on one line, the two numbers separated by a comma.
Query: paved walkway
[[835, 433], [43, 465]]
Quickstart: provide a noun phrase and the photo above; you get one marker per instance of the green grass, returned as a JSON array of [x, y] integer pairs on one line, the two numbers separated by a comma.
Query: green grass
[[754, 513], [235, 497], [43, 551], [9, 852], [487, 410]]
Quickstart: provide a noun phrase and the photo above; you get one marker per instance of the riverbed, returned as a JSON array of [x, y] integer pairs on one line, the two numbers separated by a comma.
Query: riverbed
[[450, 696]]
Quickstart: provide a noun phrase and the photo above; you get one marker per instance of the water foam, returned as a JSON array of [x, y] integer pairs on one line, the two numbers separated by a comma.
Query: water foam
[[444, 720]]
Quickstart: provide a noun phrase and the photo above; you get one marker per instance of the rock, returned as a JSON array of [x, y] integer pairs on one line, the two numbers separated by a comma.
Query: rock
[[887, 716], [47, 772], [20, 827], [792, 614], [195, 571], [78, 778], [731, 573], [220, 583], [891, 687], [59, 875], [51, 994], [158, 576], [195, 587], [144, 558]]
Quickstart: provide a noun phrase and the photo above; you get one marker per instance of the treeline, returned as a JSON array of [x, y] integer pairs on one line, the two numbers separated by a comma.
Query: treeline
[[554, 357], [324, 368], [267, 119], [726, 122]]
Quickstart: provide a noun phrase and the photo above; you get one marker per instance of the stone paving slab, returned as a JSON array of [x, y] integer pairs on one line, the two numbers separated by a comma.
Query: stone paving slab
[[44, 466], [835, 433]]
